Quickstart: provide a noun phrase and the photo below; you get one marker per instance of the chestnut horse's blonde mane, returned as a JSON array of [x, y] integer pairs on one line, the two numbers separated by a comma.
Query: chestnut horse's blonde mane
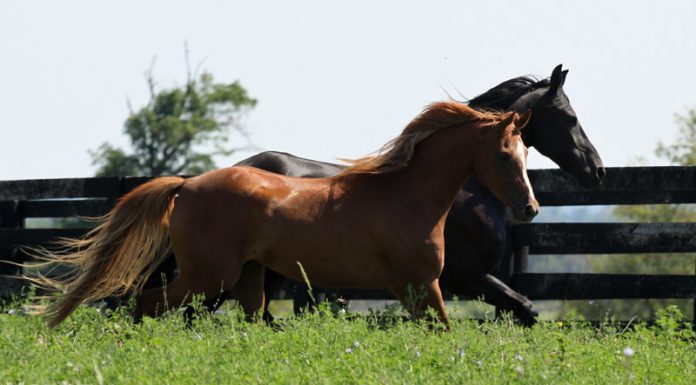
[[397, 153]]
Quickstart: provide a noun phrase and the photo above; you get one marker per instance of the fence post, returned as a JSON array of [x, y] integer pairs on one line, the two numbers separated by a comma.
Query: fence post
[[10, 219]]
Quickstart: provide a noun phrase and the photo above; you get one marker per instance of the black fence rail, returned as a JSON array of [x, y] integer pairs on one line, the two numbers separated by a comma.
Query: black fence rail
[[91, 197]]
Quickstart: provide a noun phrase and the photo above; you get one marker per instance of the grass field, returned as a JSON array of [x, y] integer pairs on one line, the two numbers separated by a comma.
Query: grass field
[[322, 348]]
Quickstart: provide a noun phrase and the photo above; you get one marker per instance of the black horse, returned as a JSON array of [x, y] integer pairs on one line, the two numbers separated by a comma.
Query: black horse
[[476, 231]]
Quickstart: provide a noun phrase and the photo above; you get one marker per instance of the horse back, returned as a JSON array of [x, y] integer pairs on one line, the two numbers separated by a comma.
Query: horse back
[[291, 165]]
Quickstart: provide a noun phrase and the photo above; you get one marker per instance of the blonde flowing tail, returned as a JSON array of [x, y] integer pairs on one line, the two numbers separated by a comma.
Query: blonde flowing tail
[[117, 256]]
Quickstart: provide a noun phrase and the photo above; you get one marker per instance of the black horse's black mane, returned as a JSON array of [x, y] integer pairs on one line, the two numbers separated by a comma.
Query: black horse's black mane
[[506, 93]]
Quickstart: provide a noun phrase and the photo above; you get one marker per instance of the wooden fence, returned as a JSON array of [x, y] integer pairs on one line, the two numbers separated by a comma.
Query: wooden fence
[[61, 198]]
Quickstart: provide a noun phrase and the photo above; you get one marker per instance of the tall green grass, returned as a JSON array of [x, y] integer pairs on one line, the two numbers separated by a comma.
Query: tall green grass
[[327, 348]]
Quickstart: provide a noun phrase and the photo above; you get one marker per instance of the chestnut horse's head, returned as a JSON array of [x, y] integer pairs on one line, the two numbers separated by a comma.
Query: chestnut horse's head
[[501, 165]]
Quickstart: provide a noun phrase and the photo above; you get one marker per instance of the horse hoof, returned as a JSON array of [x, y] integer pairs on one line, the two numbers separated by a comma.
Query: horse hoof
[[528, 321], [528, 316]]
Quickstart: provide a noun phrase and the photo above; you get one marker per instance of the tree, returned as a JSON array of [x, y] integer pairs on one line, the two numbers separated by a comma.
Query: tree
[[171, 133], [683, 153]]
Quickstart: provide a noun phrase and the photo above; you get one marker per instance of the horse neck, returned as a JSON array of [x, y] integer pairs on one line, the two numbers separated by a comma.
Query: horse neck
[[524, 103], [440, 166], [521, 104]]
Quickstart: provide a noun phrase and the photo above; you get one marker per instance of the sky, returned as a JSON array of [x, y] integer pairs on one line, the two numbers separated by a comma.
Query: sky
[[334, 79]]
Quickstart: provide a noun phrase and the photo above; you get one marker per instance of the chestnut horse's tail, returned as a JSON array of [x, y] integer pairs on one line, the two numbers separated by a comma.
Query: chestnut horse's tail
[[117, 256]]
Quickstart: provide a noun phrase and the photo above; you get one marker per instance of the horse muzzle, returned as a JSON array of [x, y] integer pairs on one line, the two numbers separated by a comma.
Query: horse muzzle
[[526, 212]]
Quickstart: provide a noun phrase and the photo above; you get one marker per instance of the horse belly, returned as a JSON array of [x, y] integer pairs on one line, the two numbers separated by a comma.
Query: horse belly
[[327, 258]]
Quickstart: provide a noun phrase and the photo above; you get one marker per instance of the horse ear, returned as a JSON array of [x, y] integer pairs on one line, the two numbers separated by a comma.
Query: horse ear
[[506, 120], [565, 73], [523, 120], [557, 79]]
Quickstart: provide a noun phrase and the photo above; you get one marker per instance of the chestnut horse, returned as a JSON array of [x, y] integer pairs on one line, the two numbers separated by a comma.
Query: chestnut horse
[[378, 224]]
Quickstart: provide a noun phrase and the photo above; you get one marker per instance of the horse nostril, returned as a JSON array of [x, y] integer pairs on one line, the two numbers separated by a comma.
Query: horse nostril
[[530, 211], [600, 173]]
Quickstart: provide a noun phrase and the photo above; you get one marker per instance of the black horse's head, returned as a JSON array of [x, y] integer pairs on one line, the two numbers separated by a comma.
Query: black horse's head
[[554, 129]]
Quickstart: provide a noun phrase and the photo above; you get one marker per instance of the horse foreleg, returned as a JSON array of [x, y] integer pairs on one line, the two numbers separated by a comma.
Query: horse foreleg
[[249, 290], [498, 294], [422, 296], [434, 300]]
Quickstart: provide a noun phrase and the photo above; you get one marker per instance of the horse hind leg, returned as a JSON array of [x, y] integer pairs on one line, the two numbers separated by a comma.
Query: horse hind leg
[[196, 278], [180, 292], [211, 305], [155, 301], [209, 265], [249, 290], [271, 283]]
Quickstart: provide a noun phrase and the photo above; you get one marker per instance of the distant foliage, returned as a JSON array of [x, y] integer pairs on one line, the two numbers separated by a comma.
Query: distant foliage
[[683, 151], [179, 130], [680, 153]]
